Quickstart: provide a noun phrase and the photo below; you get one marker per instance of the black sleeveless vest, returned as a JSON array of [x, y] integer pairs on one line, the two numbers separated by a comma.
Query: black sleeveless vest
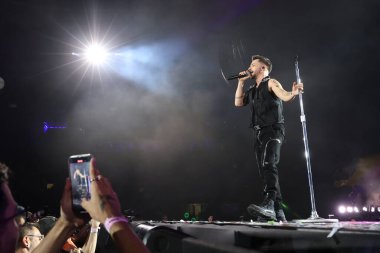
[[267, 108]]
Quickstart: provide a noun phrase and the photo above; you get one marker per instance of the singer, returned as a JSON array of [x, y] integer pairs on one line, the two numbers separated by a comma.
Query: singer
[[265, 96]]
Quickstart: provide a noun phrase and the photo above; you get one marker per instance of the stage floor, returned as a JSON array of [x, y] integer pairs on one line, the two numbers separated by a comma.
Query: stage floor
[[295, 236]]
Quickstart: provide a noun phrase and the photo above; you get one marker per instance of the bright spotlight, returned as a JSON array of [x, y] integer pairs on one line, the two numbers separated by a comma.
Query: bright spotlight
[[350, 209], [378, 209], [365, 209], [356, 209], [95, 54], [372, 209], [342, 209]]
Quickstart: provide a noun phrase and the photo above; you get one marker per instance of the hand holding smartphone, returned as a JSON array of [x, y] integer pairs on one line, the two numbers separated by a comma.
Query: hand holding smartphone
[[79, 170]]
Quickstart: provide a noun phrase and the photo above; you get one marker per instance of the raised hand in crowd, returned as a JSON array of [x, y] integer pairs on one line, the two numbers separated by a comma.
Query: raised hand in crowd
[[104, 206]]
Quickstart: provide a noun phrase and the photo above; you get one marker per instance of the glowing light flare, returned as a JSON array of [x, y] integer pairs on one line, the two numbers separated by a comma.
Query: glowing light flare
[[96, 54], [342, 209]]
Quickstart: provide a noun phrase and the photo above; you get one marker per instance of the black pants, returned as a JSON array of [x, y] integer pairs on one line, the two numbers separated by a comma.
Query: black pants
[[267, 145]]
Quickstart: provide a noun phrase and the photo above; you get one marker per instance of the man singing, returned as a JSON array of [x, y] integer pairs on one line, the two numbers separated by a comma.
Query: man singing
[[266, 96]]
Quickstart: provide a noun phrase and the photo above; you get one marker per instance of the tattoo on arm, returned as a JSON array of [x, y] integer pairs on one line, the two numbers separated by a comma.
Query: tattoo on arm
[[283, 92], [286, 93], [102, 203], [277, 84]]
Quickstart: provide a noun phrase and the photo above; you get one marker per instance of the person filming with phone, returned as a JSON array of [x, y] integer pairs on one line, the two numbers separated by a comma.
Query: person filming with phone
[[103, 205]]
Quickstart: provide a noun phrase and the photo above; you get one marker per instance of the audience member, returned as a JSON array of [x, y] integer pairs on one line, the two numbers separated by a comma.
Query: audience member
[[29, 238], [8, 211], [20, 219], [85, 239], [46, 223], [104, 207]]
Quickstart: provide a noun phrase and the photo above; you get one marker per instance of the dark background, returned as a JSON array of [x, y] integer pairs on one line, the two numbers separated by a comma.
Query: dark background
[[162, 122]]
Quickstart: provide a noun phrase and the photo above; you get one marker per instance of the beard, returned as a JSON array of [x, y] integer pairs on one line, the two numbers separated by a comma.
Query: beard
[[33, 245]]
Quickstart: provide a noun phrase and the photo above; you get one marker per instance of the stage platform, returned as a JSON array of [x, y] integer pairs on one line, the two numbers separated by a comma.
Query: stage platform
[[295, 236]]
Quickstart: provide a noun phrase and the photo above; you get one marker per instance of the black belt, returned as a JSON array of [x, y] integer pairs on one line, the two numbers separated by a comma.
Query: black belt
[[258, 127]]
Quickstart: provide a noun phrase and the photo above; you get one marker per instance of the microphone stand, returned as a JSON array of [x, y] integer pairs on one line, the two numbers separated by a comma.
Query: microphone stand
[[314, 215]]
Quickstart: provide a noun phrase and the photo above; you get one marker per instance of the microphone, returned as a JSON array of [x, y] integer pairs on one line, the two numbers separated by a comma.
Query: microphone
[[238, 75]]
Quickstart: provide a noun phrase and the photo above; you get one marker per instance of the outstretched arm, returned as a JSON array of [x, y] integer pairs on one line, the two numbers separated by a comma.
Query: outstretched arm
[[104, 206], [63, 228], [284, 95], [92, 239]]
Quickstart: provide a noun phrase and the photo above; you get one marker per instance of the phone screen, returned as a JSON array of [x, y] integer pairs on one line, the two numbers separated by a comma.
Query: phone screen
[[79, 168]]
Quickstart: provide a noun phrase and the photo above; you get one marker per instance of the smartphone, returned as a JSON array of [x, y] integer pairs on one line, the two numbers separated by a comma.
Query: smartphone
[[79, 170]]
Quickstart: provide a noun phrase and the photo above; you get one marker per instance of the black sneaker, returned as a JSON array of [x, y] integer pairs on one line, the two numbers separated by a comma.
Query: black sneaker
[[280, 215], [265, 210], [263, 220]]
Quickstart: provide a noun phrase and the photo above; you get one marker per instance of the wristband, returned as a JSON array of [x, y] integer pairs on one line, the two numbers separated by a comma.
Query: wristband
[[112, 220], [94, 230]]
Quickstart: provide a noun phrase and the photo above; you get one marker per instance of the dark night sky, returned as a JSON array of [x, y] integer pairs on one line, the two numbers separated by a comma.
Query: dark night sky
[[160, 118]]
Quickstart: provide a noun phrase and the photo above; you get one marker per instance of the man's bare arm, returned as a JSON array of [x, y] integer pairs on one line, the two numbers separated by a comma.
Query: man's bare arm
[[239, 94], [279, 91]]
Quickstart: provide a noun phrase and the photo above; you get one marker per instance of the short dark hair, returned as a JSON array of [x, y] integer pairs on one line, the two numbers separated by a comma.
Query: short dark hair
[[24, 231], [46, 224], [263, 60]]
